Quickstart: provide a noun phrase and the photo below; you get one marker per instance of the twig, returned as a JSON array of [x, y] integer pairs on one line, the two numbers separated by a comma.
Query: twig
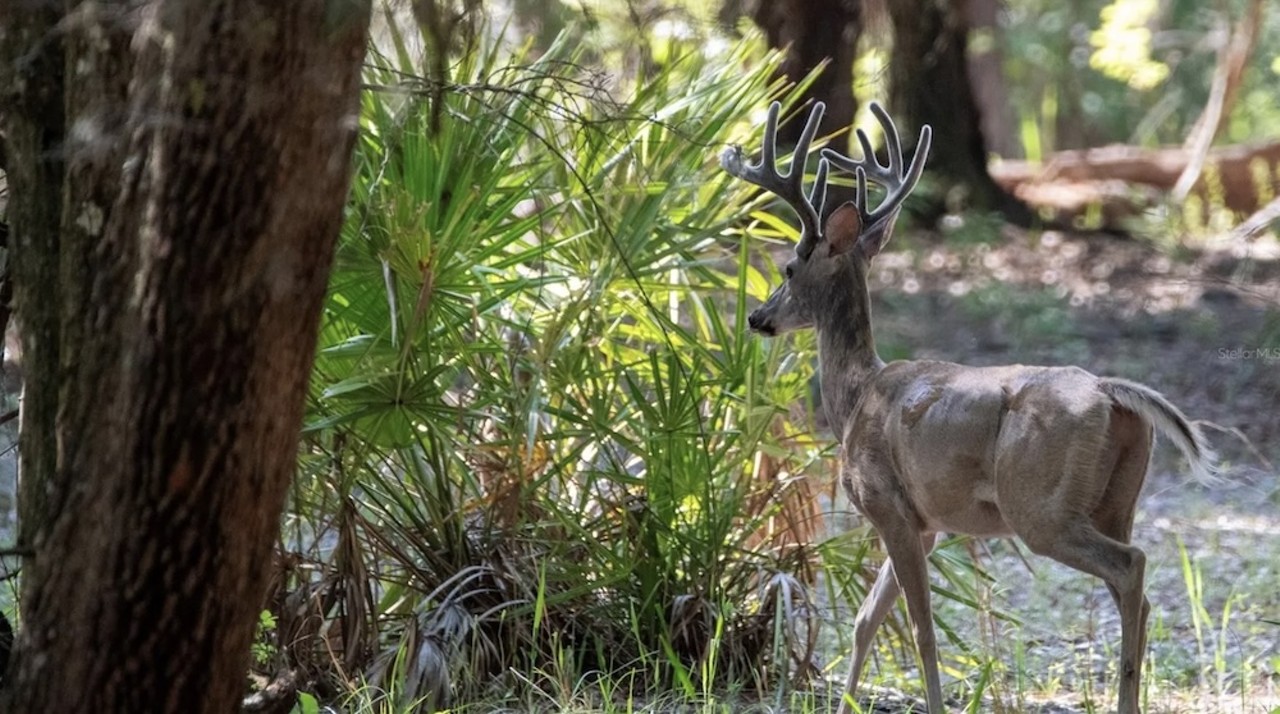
[[1239, 435], [1258, 222]]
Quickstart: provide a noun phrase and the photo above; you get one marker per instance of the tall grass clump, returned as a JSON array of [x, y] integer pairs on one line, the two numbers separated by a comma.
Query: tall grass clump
[[539, 449]]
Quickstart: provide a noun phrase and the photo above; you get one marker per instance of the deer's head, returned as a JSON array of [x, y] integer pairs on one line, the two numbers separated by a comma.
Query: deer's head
[[842, 247]]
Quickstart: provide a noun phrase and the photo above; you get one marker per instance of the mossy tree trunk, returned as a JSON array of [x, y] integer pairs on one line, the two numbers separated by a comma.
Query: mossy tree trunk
[[176, 195]]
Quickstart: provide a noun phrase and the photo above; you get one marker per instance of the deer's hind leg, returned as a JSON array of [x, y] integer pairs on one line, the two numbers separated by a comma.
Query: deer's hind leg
[[1130, 445], [1128, 459], [1092, 539], [1078, 544]]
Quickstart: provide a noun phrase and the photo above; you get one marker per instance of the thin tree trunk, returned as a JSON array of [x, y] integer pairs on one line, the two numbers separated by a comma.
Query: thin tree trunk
[[986, 75], [1227, 77], [31, 115], [196, 210]]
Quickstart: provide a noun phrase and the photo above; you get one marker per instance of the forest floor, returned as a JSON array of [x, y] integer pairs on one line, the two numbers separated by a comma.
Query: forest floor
[[1202, 327]]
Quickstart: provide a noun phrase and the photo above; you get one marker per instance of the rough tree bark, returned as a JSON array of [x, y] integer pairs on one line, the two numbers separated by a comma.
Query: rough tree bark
[[32, 122], [929, 84], [175, 199]]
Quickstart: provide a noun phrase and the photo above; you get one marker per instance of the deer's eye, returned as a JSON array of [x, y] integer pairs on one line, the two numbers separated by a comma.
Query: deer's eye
[[789, 271]]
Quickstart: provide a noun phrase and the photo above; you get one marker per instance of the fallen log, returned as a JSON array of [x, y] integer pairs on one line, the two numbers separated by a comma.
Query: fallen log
[[1241, 177]]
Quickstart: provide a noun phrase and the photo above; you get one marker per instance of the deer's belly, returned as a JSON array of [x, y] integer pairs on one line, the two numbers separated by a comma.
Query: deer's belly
[[962, 506]]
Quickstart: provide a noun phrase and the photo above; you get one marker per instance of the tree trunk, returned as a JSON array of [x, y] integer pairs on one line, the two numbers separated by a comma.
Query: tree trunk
[[32, 122], [1233, 57], [929, 84], [814, 32], [173, 235], [817, 33], [986, 76]]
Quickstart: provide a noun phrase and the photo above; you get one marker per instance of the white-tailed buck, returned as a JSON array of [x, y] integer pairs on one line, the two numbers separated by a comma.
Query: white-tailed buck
[[1054, 455]]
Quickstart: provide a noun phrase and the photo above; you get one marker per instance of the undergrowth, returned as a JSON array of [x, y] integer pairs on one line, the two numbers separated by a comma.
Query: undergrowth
[[539, 452]]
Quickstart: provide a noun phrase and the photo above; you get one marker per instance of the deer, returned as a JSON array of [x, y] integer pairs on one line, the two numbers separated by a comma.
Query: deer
[[1055, 456]]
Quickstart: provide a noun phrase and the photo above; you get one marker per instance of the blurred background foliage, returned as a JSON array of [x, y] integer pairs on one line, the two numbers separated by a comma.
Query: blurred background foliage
[[540, 456], [1132, 71]]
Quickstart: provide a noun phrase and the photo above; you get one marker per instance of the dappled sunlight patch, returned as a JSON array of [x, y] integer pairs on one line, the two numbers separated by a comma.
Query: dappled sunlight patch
[[1232, 523]]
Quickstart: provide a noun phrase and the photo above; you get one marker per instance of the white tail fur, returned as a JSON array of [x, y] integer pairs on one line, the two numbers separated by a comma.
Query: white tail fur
[[1169, 421]]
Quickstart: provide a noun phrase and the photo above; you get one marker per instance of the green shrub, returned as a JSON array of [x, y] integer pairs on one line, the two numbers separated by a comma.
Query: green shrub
[[537, 441]]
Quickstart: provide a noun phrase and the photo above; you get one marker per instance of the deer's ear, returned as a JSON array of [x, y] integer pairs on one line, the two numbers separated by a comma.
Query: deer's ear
[[876, 235], [844, 225]]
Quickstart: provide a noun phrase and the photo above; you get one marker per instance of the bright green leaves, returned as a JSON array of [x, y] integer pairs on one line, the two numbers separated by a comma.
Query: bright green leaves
[[532, 353], [1122, 45]]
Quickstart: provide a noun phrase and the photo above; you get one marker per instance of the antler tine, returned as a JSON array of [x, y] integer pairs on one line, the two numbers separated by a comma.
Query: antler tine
[[900, 189], [881, 173], [818, 194], [891, 176], [923, 144], [892, 141], [860, 196], [769, 147], [790, 186], [876, 171]]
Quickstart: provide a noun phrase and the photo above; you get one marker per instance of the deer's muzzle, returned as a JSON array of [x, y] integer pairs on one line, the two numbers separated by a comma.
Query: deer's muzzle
[[759, 323]]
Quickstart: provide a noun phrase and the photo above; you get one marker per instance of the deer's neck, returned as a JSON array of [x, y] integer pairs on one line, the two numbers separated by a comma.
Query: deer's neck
[[847, 357]]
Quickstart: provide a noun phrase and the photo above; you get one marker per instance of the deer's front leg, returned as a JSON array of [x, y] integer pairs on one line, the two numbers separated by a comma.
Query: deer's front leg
[[871, 615], [905, 545]]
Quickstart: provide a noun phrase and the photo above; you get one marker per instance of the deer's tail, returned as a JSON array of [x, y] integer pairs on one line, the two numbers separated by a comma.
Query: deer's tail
[[1169, 421]]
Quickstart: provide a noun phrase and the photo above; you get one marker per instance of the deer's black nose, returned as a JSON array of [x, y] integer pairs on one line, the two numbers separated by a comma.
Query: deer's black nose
[[757, 322]]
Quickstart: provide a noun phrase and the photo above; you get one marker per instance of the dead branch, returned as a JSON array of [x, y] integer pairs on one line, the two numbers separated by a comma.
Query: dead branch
[[1233, 56], [278, 696], [1259, 221]]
